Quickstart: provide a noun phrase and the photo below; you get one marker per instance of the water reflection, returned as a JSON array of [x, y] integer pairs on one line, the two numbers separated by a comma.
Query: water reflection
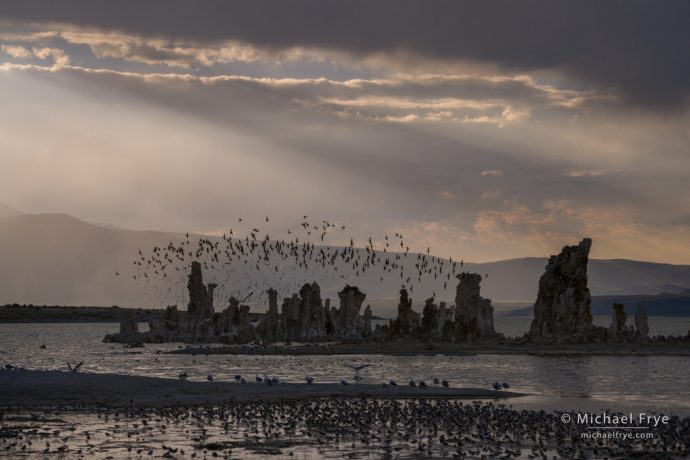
[[565, 382]]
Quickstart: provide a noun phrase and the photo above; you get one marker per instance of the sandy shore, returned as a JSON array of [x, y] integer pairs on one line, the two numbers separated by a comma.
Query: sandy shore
[[52, 388], [419, 348]]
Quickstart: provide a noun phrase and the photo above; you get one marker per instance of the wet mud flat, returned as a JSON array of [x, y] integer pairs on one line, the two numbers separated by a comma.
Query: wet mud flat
[[319, 428], [25, 388], [74, 415]]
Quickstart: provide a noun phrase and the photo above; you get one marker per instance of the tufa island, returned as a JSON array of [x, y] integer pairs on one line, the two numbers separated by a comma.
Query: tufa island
[[562, 314]]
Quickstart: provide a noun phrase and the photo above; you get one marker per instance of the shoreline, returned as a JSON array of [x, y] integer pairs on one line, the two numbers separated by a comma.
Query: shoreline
[[464, 349], [26, 388]]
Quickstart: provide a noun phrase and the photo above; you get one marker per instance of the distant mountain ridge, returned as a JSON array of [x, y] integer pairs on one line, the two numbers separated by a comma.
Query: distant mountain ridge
[[49, 259], [8, 211]]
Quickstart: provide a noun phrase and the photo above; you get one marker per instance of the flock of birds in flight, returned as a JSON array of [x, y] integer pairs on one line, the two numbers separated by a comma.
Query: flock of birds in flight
[[246, 267]]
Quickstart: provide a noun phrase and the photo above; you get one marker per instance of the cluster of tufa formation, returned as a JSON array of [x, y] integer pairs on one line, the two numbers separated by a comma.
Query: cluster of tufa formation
[[474, 315], [471, 319], [306, 317], [562, 313], [619, 331], [303, 317]]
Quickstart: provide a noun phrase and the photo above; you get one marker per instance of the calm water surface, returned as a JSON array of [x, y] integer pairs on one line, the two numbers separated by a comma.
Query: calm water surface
[[638, 383], [658, 325]]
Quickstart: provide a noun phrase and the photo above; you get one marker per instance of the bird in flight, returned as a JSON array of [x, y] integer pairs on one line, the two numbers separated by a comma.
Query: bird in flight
[[357, 368], [74, 369]]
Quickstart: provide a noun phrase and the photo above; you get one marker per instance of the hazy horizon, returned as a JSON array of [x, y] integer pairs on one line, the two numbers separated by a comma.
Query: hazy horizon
[[59, 259], [215, 234]]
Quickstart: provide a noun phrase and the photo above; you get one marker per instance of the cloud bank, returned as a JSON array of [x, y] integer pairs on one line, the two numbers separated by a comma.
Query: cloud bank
[[634, 46], [485, 129]]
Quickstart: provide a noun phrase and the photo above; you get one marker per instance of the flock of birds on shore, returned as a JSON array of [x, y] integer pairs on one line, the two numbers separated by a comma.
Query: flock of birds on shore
[[309, 379], [246, 267], [353, 427], [358, 377]]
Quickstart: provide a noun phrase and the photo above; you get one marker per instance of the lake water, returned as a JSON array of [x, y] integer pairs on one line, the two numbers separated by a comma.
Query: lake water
[[658, 325], [639, 383], [515, 326]]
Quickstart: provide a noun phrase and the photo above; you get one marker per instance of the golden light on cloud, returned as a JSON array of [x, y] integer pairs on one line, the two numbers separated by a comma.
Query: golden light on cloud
[[471, 145]]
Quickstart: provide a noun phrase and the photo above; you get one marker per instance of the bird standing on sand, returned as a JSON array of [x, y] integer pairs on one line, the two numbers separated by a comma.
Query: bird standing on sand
[[309, 379], [497, 386], [183, 375]]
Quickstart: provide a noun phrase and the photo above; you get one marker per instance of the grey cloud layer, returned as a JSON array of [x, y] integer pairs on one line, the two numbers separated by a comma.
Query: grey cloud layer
[[486, 129], [426, 170], [638, 47]]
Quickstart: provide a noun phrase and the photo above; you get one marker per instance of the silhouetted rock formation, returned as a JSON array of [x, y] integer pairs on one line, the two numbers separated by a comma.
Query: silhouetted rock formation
[[429, 320], [618, 330], [129, 330], [562, 314], [304, 317], [641, 324], [471, 319], [270, 327], [406, 325], [200, 308], [474, 315], [128, 326], [312, 312], [289, 315], [562, 310], [444, 324], [200, 296], [348, 320], [367, 320], [233, 324]]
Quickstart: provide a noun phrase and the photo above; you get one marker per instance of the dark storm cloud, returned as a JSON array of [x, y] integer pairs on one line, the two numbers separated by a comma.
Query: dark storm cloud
[[638, 47]]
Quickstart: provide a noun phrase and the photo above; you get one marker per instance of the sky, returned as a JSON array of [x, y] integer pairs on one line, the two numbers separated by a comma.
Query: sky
[[484, 130]]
